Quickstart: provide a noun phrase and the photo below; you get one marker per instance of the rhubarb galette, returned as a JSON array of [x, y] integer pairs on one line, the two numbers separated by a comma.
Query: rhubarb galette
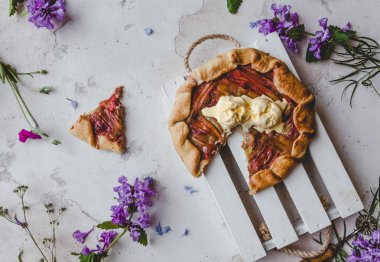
[[103, 127], [251, 89]]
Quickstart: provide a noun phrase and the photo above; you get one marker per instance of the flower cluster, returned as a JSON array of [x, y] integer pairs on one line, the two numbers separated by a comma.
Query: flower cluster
[[133, 198], [321, 39], [366, 249], [44, 12], [283, 22]]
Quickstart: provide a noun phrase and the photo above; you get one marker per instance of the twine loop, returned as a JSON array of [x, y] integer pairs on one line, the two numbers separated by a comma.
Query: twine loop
[[203, 39]]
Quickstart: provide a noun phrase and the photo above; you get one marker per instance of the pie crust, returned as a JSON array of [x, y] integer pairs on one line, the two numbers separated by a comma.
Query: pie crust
[[285, 83], [84, 128]]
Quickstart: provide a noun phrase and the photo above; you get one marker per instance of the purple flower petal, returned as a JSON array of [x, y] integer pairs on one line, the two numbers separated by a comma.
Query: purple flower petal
[[119, 215], [73, 103], [158, 229], [24, 135], [186, 232], [190, 189], [106, 238], [348, 27], [148, 31], [81, 236], [320, 40], [144, 220], [323, 22], [166, 229], [86, 251], [135, 232]]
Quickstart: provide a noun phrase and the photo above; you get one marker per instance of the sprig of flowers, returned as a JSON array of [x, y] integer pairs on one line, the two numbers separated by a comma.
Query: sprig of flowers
[[49, 242], [350, 50], [43, 13], [11, 76], [133, 199]]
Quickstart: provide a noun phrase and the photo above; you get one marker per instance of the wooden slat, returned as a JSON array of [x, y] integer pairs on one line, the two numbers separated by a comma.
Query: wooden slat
[[306, 200], [301, 228], [227, 199], [233, 211], [333, 173], [268, 201]]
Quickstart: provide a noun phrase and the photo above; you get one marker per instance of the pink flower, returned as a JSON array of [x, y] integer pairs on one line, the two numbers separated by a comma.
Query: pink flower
[[23, 135]]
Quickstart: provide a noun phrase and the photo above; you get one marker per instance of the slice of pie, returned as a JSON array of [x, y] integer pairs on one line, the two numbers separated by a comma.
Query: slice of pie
[[247, 88], [103, 127]]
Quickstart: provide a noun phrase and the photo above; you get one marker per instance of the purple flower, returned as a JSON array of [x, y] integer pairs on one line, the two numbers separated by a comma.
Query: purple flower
[[283, 21], [124, 191], [366, 250], [143, 191], [106, 238], [321, 39], [86, 250], [266, 26], [348, 27], [44, 12], [135, 232], [24, 135], [81, 236], [144, 220], [119, 215]]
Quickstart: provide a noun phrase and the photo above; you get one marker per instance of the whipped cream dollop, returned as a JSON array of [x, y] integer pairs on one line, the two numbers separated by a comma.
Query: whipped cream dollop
[[230, 111], [262, 113]]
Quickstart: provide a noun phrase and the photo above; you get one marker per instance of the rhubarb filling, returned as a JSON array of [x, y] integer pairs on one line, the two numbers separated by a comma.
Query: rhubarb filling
[[261, 148], [107, 119]]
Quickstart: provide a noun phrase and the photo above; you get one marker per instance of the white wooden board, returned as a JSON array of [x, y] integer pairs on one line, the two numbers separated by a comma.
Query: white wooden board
[[306, 200]]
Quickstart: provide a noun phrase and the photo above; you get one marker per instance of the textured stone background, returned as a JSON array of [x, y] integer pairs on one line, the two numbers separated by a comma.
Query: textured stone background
[[103, 46]]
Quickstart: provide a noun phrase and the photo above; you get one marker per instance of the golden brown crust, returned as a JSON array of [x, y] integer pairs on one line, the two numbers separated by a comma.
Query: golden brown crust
[[284, 81], [82, 129]]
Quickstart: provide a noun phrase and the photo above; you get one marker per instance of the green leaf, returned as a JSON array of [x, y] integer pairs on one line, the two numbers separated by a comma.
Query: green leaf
[[143, 239], [108, 225], [233, 5], [296, 33], [341, 36]]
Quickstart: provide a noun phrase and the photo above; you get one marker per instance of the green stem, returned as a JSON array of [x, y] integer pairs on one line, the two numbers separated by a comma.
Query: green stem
[[33, 73], [119, 236], [24, 109], [307, 33]]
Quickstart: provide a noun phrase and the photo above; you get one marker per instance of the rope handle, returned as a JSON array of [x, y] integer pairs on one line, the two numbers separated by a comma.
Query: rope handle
[[203, 39], [305, 254]]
